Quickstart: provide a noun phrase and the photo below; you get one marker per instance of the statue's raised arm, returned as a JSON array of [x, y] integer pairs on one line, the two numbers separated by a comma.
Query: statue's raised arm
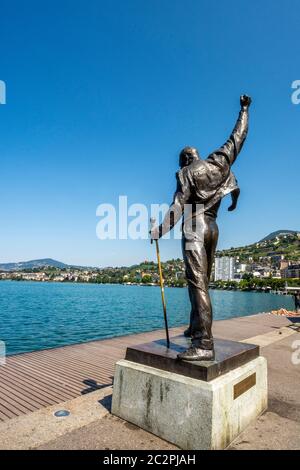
[[234, 144]]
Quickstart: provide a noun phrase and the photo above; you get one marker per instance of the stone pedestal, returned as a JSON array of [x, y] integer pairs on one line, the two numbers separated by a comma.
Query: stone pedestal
[[195, 405]]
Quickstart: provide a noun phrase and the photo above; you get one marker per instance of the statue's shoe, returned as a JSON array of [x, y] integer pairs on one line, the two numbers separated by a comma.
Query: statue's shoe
[[197, 354], [188, 332]]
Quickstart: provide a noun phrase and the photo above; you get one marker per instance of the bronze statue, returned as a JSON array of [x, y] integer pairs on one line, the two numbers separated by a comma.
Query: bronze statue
[[202, 184]]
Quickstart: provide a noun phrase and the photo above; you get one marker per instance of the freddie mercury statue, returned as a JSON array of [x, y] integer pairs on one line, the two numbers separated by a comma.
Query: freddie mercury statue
[[203, 183]]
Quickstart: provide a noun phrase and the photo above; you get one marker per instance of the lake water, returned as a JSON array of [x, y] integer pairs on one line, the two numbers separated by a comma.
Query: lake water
[[37, 315]]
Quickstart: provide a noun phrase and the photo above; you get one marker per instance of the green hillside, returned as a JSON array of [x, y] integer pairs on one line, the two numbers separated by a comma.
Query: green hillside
[[287, 245]]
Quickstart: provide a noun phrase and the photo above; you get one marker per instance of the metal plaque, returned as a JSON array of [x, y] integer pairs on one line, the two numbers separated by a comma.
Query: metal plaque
[[244, 385]]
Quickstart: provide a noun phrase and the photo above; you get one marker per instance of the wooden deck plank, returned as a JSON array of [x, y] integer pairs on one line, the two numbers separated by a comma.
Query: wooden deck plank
[[25, 378], [25, 385], [71, 369], [7, 413], [11, 403], [38, 371], [23, 395]]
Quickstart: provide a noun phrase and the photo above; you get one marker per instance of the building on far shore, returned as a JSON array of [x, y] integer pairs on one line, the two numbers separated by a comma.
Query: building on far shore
[[291, 271], [225, 268]]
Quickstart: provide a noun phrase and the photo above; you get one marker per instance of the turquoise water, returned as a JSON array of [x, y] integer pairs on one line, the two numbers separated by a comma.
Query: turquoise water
[[37, 315]]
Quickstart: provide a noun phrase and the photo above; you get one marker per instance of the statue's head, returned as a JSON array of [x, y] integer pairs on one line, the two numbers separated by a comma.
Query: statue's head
[[187, 156]]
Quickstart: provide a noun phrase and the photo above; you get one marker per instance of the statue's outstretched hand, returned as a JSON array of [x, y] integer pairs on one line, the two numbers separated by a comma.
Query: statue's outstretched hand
[[245, 101], [234, 199], [232, 207]]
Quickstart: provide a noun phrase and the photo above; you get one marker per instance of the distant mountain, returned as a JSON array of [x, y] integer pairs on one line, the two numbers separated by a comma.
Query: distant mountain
[[278, 233], [36, 263]]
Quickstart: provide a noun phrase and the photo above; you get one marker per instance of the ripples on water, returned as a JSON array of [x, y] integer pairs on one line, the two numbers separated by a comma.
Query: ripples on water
[[45, 315]]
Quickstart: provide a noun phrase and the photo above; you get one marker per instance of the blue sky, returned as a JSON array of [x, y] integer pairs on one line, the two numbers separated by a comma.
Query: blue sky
[[101, 97]]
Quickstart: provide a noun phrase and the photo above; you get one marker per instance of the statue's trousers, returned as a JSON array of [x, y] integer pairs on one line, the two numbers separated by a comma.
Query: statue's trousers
[[199, 241]]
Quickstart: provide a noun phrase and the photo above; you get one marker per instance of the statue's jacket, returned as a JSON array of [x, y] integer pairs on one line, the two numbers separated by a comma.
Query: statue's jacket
[[206, 182]]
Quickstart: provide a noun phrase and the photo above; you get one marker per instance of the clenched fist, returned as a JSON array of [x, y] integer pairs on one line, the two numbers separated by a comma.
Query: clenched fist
[[245, 101]]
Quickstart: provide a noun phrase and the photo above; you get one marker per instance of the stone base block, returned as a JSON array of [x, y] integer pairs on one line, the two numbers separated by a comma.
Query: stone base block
[[190, 413]]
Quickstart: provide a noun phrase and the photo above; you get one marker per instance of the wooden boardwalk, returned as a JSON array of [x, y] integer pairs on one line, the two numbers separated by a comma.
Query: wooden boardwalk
[[35, 380]]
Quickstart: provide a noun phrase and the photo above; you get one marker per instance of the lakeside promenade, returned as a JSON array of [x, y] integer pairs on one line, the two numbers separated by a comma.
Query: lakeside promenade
[[35, 385]]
